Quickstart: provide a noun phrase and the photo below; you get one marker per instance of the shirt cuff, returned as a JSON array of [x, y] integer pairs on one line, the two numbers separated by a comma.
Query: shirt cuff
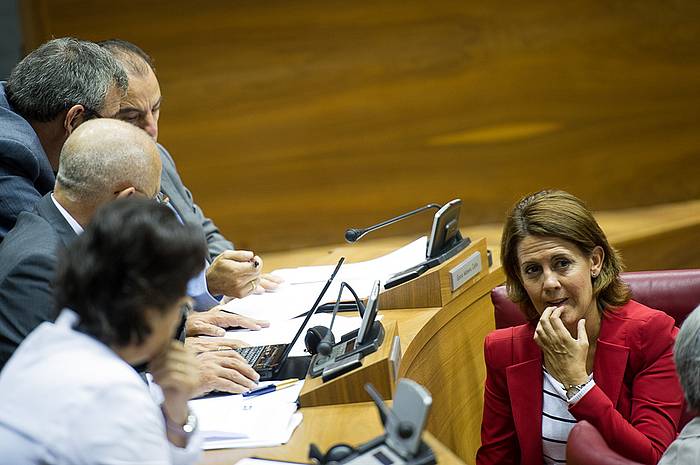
[[589, 385], [204, 302]]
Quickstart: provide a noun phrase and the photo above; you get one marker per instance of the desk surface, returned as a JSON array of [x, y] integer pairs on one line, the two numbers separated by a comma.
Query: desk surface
[[321, 426], [359, 422]]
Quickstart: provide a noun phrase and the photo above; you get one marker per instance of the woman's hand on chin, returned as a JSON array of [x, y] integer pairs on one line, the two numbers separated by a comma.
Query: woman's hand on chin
[[564, 356]]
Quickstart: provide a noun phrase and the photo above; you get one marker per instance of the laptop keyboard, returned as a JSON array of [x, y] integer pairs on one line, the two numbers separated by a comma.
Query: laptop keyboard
[[260, 357], [251, 354]]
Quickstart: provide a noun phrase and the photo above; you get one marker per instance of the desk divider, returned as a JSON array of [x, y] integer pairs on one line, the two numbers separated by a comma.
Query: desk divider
[[434, 287], [379, 368]]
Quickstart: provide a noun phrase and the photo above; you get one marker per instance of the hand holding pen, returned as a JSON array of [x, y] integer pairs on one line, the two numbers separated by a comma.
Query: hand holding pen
[[235, 273]]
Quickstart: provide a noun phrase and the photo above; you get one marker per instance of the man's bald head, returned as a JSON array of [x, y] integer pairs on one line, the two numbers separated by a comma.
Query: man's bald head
[[104, 157]]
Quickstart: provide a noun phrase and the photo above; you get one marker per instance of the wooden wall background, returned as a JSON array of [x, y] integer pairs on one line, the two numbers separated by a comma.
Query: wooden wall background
[[292, 120]]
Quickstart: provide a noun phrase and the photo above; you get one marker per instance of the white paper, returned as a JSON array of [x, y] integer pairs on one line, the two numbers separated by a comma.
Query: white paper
[[255, 461], [236, 421], [282, 332], [303, 285]]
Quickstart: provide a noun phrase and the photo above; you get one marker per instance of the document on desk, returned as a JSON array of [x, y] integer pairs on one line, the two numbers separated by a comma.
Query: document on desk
[[235, 421], [282, 332], [302, 285]]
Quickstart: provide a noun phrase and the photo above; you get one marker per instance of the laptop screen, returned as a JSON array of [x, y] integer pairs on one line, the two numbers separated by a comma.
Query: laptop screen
[[312, 310]]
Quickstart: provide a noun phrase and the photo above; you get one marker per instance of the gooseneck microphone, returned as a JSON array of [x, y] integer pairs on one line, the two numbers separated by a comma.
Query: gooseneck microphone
[[353, 235], [325, 345]]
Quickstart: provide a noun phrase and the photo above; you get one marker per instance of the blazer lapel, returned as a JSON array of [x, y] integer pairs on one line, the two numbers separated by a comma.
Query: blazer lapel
[[610, 360], [47, 210], [525, 391]]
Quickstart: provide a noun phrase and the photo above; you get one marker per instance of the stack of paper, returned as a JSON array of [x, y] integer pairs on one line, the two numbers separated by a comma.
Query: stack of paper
[[235, 421], [302, 285]]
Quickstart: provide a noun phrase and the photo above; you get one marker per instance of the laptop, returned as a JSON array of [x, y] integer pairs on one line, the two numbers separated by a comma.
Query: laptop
[[268, 360]]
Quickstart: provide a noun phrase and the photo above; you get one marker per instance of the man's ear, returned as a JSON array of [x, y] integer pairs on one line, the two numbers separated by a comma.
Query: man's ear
[[74, 116], [124, 193]]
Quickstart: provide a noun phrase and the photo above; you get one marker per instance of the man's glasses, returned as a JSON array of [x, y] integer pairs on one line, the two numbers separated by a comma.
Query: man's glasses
[[162, 198]]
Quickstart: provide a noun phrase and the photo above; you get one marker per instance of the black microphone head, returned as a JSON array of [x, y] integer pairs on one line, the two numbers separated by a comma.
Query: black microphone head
[[326, 345], [351, 235]]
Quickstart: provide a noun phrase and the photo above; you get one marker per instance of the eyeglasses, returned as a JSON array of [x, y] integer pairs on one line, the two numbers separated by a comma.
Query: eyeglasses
[[162, 198]]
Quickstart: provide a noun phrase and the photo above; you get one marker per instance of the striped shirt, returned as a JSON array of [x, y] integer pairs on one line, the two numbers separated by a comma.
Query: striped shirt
[[556, 419]]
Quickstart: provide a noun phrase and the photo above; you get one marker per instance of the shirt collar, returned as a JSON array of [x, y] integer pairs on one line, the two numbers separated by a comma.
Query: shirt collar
[[71, 221], [67, 318]]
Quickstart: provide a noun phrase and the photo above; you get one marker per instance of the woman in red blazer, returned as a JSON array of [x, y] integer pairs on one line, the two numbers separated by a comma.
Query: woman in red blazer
[[588, 351]]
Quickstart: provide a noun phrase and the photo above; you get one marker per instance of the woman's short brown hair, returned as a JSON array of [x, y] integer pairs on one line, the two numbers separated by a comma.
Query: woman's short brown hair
[[554, 213]]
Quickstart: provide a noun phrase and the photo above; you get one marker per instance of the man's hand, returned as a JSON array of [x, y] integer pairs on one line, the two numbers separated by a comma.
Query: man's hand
[[210, 344], [268, 283], [226, 371], [215, 321], [234, 273]]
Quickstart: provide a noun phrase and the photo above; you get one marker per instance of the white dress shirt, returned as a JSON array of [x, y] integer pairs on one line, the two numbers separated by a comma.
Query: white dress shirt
[[196, 287], [67, 216], [67, 398]]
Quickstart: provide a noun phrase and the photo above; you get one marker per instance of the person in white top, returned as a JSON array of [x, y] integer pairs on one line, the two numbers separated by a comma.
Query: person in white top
[[70, 394]]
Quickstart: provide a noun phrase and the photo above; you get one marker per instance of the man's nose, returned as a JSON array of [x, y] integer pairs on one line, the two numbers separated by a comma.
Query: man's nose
[[151, 125]]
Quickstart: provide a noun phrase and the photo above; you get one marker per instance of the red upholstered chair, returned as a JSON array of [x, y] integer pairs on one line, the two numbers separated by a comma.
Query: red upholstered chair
[[676, 292], [587, 447]]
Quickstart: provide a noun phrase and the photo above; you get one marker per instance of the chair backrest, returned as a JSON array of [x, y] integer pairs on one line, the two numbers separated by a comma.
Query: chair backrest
[[676, 292], [586, 446]]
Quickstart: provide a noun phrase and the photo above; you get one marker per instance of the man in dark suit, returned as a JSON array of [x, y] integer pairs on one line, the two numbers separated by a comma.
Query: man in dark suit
[[49, 93], [232, 272], [121, 166], [101, 161]]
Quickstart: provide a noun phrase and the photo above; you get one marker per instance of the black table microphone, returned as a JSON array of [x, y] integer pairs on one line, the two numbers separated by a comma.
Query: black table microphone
[[352, 234]]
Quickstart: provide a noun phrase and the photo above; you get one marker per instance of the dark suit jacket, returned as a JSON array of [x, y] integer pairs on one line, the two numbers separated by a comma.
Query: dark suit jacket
[[635, 404], [183, 202], [27, 265], [26, 175], [25, 171]]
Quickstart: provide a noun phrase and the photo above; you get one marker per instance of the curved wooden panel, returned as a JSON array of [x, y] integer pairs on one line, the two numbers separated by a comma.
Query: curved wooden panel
[[447, 357], [291, 121]]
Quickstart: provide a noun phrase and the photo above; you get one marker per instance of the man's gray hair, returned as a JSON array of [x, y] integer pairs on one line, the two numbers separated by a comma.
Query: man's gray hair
[[687, 358], [134, 60], [104, 155], [61, 73]]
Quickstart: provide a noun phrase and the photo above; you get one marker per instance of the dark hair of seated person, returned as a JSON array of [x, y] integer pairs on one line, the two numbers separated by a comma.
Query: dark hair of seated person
[[555, 213], [134, 255]]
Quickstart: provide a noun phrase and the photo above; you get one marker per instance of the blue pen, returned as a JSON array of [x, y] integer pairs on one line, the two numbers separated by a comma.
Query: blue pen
[[270, 388]]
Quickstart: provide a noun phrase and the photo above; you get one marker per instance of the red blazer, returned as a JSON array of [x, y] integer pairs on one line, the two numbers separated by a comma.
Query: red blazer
[[636, 403]]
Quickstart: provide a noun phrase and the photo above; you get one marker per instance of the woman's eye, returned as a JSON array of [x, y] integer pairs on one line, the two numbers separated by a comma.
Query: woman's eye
[[530, 270], [563, 263]]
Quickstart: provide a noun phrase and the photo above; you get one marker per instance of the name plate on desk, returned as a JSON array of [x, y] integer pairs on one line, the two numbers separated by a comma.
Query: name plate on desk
[[465, 271]]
